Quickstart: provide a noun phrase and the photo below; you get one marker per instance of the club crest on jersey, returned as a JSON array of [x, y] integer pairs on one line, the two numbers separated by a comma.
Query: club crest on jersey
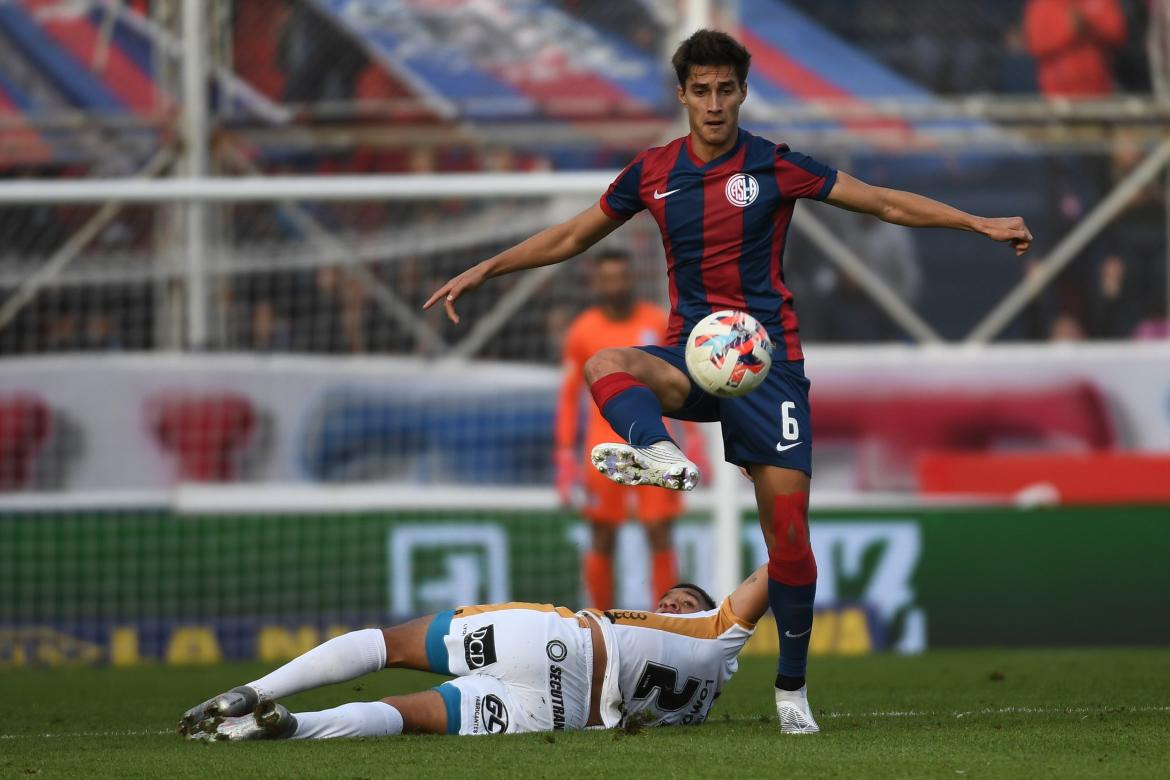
[[741, 189]]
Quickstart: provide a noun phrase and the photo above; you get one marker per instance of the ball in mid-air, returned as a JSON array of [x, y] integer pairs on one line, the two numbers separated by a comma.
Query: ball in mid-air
[[729, 353]]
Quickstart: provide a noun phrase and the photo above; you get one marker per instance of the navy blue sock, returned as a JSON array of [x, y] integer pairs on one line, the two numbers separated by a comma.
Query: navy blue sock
[[631, 408], [792, 606]]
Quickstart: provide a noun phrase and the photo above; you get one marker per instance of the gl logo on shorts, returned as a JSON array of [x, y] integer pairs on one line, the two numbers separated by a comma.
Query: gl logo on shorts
[[741, 189], [479, 647], [494, 714], [556, 650]]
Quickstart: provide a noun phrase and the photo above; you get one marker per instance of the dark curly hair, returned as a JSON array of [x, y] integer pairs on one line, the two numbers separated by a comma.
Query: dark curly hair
[[711, 47]]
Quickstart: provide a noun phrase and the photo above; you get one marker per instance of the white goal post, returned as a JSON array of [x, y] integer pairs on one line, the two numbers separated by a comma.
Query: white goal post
[[411, 187]]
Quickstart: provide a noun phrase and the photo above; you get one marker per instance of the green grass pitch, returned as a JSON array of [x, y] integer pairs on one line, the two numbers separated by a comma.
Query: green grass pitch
[[986, 713]]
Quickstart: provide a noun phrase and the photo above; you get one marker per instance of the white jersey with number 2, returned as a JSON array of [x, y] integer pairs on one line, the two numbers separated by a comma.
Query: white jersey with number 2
[[667, 669]]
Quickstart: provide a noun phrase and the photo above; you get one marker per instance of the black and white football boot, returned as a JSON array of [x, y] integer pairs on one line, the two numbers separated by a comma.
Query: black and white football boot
[[237, 702], [270, 720]]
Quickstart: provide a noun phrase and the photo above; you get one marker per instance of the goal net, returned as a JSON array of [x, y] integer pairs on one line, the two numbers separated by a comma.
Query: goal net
[[332, 455]]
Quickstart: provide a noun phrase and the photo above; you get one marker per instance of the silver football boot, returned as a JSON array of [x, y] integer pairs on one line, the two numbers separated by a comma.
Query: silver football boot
[[269, 720], [237, 702], [662, 464]]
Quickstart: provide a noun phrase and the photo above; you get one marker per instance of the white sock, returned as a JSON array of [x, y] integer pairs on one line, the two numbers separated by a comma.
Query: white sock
[[356, 719], [341, 658]]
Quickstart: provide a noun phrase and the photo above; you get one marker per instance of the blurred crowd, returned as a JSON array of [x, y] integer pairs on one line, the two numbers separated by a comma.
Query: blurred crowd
[[1057, 47], [1117, 287], [294, 52], [288, 49]]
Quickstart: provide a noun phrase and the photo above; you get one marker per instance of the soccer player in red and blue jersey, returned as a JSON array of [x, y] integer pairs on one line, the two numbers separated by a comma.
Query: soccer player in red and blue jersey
[[723, 199]]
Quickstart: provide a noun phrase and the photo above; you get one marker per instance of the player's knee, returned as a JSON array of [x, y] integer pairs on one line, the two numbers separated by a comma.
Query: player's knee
[[422, 713], [790, 555], [659, 536], [605, 362], [394, 647], [604, 539], [406, 644]]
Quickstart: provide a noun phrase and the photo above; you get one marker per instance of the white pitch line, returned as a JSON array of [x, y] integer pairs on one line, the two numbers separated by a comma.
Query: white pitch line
[[89, 734], [825, 715], [997, 711]]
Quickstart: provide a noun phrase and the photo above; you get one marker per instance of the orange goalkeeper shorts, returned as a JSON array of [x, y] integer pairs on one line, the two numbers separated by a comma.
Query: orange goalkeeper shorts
[[609, 502]]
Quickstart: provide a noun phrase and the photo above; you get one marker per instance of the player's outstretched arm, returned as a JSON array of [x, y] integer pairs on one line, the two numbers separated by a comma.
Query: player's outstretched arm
[[551, 245], [750, 599], [907, 208]]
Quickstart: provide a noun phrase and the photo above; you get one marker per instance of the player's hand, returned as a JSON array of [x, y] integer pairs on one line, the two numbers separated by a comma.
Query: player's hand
[[465, 282], [566, 475], [1011, 230]]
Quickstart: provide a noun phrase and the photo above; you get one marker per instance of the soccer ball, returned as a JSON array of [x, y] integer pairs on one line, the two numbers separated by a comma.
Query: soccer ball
[[729, 353]]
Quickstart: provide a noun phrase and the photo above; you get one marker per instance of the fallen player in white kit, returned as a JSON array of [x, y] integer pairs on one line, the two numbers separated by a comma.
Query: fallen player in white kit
[[517, 668]]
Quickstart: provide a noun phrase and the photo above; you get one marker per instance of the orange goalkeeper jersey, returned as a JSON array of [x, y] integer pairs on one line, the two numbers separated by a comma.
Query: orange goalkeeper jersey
[[590, 333]]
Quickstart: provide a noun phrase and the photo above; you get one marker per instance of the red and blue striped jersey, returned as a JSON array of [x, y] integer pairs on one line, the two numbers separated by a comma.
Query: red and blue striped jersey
[[724, 224]]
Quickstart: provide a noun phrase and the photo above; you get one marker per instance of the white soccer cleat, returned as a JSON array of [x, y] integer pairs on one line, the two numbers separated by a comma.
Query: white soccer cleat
[[662, 464], [793, 712], [269, 721]]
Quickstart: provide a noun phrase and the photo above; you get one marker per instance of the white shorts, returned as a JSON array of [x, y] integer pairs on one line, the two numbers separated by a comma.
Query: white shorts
[[519, 668]]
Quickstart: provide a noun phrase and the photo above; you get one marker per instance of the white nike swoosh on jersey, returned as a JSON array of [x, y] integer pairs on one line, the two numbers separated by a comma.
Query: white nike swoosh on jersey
[[660, 195], [781, 447], [791, 635]]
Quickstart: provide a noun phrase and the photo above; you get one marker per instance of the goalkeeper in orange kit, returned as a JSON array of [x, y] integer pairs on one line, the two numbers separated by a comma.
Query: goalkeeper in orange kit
[[617, 320]]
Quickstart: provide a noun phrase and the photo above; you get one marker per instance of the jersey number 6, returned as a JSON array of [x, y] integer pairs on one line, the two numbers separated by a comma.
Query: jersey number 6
[[789, 429]]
